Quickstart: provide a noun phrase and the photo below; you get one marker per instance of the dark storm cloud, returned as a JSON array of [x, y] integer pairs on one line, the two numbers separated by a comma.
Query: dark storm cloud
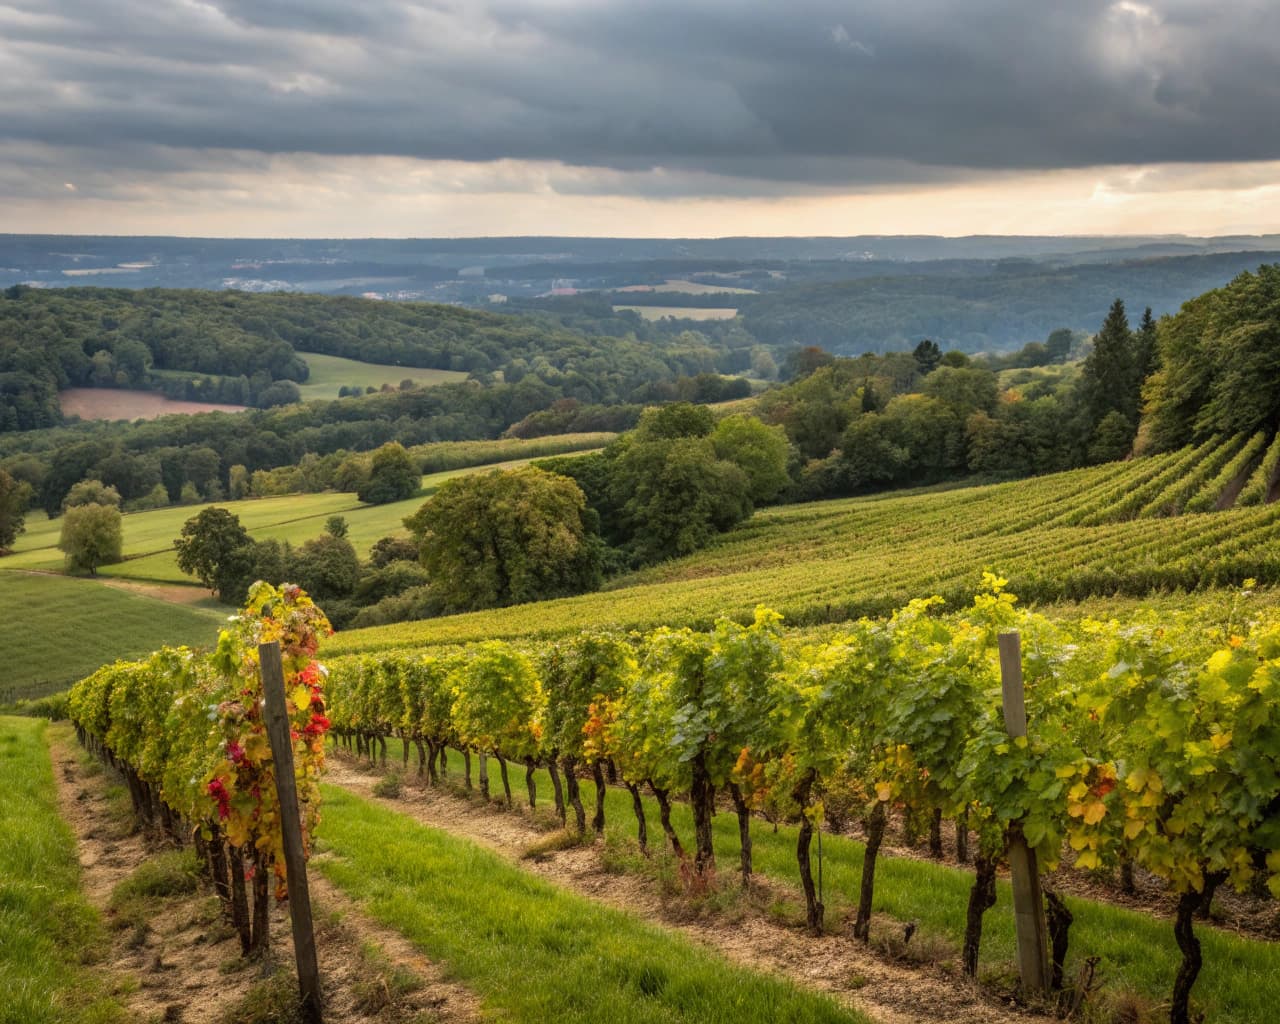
[[804, 94]]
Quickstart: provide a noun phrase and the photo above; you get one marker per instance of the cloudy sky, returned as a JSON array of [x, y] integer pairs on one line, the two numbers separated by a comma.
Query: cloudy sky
[[639, 117]]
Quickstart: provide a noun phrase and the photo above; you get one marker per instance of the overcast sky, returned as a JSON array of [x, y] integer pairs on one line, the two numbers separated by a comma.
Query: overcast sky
[[648, 117]]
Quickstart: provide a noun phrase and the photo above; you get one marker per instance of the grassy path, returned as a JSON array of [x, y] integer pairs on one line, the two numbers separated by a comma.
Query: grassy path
[[47, 929], [531, 951]]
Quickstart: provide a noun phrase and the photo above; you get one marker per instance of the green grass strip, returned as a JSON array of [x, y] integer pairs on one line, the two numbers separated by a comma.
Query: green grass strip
[[46, 927], [533, 952], [1240, 982]]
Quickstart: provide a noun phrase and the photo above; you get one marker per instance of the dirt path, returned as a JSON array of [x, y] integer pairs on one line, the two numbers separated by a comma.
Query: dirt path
[[888, 992], [184, 965]]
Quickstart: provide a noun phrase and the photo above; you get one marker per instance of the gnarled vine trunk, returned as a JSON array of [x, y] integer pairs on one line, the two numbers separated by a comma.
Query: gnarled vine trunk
[[664, 815], [529, 783], [1059, 920], [1184, 933], [575, 794], [557, 791], [982, 897], [813, 906], [642, 828], [744, 830], [597, 774], [702, 798], [876, 822], [506, 780]]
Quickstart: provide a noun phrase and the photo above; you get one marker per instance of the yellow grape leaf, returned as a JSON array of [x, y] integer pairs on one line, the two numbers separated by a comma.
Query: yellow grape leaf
[[1087, 860], [1065, 771], [1078, 791], [1137, 780], [1133, 828], [883, 791], [1221, 740], [1273, 861], [1219, 660], [301, 697], [1095, 812], [1078, 841], [1020, 742]]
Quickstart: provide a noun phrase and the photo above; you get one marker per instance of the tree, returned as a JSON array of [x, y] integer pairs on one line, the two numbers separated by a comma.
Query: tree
[[1109, 381], [674, 495], [91, 492], [213, 548], [393, 476], [15, 495], [327, 567], [336, 526], [759, 451], [1145, 353], [927, 356], [1059, 343], [505, 537], [91, 536]]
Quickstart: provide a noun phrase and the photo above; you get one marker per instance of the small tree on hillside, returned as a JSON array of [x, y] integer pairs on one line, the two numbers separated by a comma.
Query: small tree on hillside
[[393, 476], [212, 548], [506, 537], [91, 492], [91, 536], [15, 495], [927, 356], [1109, 381]]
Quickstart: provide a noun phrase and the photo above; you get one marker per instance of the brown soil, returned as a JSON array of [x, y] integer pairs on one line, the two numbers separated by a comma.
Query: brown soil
[[890, 992], [174, 593], [121, 404], [185, 965]]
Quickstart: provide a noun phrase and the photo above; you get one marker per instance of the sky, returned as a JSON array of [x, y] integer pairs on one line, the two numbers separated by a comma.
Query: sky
[[657, 118]]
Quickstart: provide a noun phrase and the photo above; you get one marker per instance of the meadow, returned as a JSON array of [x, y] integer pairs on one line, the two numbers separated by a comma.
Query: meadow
[[329, 373]]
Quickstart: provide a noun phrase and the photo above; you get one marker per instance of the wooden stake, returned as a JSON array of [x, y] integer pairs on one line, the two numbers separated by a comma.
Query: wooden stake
[[1028, 897], [278, 731]]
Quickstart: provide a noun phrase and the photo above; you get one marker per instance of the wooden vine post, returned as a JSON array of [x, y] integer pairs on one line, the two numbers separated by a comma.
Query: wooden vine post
[[1028, 897], [278, 731]]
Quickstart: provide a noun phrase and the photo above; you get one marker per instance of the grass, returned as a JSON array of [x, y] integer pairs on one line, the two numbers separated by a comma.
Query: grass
[[1240, 982], [56, 630], [490, 924], [47, 930], [329, 373]]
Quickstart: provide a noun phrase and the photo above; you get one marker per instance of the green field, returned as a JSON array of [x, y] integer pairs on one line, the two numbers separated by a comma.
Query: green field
[[56, 629], [329, 373], [149, 536], [47, 929], [825, 561]]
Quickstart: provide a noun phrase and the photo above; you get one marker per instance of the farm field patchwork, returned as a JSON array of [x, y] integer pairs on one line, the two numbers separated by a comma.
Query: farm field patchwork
[[122, 404], [680, 312], [329, 373]]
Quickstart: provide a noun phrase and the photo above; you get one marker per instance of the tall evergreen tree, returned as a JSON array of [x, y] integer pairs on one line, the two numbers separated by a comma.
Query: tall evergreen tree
[[1109, 381], [927, 356], [1145, 354]]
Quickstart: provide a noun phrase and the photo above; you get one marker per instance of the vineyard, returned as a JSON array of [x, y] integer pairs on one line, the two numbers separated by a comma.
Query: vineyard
[[1063, 537], [1155, 744]]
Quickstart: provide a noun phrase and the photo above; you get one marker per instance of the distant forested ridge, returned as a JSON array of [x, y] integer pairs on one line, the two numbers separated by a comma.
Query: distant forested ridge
[[1015, 301], [51, 339]]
